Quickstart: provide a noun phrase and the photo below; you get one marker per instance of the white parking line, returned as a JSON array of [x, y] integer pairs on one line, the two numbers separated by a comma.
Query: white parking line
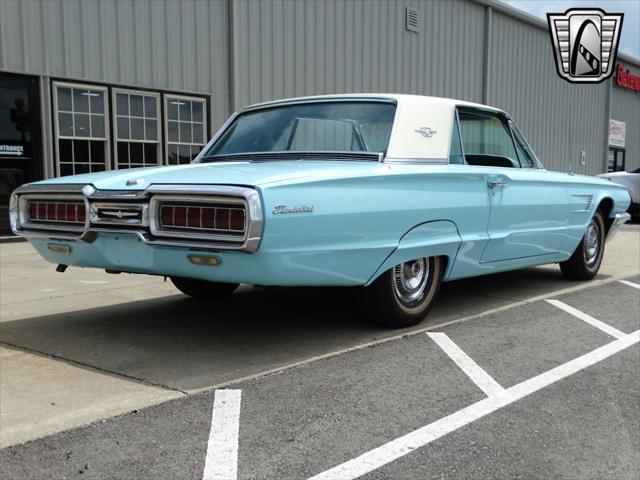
[[222, 450], [481, 378], [401, 446], [630, 284], [608, 329]]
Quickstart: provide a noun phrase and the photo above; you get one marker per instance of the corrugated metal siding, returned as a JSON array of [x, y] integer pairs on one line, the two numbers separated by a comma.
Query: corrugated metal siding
[[289, 48], [163, 44], [558, 119], [283, 48], [625, 106]]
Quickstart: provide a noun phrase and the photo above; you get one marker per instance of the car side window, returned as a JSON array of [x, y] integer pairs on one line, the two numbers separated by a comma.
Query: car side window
[[486, 140], [524, 154], [455, 150]]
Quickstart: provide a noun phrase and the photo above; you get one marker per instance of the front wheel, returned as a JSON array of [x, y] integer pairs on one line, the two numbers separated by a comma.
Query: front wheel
[[402, 296], [587, 258], [203, 289]]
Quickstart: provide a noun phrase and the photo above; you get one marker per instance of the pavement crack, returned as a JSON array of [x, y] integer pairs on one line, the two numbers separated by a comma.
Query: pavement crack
[[93, 367]]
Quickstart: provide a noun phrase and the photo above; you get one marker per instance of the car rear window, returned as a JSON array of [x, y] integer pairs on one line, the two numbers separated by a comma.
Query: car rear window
[[343, 126]]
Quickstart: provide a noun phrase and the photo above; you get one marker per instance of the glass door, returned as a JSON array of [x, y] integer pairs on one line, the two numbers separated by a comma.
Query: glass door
[[20, 152], [615, 160]]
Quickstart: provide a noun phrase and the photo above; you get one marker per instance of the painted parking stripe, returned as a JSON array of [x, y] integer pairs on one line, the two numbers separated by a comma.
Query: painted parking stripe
[[608, 329], [222, 450], [401, 446], [630, 284], [481, 378]]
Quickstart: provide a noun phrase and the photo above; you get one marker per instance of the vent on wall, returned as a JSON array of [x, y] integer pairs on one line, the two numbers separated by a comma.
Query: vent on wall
[[412, 19]]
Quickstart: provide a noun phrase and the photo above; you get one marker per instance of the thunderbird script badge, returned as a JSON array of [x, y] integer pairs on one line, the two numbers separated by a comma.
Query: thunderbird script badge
[[284, 209]]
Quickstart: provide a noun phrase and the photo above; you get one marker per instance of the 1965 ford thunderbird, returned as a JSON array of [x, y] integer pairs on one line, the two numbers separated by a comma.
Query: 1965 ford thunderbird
[[394, 193]]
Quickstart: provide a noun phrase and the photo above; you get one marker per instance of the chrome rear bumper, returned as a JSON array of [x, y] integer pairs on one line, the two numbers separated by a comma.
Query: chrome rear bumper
[[144, 225], [619, 220]]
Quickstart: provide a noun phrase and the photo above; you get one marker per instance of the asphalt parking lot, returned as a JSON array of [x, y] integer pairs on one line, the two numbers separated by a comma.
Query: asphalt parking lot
[[517, 375]]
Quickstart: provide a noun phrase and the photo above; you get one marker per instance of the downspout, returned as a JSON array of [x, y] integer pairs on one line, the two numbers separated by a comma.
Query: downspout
[[486, 58], [231, 107], [607, 116]]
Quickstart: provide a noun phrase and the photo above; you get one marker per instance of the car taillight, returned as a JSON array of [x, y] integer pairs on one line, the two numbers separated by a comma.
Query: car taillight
[[203, 218], [49, 211]]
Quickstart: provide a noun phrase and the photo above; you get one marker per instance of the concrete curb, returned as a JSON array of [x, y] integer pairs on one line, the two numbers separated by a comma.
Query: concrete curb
[[12, 239]]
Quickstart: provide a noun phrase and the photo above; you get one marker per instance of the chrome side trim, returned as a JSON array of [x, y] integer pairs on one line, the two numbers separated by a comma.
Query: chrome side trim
[[588, 201], [618, 220]]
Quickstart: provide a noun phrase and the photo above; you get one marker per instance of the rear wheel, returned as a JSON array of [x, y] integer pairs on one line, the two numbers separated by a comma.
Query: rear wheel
[[203, 289], [403, 295], [587, 258]]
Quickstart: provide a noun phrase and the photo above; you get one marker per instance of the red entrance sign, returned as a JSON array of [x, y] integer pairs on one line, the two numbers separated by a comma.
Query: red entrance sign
[[626, 79]]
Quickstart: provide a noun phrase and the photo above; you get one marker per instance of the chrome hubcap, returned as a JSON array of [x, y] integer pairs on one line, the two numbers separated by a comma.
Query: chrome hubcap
[[410, 280], [591, 244]]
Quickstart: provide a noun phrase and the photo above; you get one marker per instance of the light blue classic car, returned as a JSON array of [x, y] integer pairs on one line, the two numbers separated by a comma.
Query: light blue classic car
[[394, 193]]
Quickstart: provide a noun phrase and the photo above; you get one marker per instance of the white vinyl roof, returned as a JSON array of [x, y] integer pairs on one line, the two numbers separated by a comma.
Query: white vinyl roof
[[413, 113]]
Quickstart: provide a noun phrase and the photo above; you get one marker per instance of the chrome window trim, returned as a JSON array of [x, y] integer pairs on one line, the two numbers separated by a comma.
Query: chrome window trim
[[297, 101], [500, 115], [523, 146], [416, 161], [319, 99], [303, 155], [457, 122], [229, 194], [516, 130], [215, 138]]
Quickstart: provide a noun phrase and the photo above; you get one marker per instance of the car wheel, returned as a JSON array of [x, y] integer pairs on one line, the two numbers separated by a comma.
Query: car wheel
[[202, 288], [585, 261], [403, 295]]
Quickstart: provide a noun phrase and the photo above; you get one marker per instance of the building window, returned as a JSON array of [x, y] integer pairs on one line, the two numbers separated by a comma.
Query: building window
[[186, 128], [137, 128], [81, 128]]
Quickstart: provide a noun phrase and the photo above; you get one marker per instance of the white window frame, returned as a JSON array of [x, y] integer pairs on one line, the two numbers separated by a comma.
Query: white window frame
[[56, 122], [204, 100], [159, 113]]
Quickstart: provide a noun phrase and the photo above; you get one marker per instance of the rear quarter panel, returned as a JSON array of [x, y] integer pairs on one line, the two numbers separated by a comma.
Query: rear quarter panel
[[358, 223]]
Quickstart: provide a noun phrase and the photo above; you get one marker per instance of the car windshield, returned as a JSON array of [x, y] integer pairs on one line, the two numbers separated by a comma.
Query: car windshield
[[344, 126]]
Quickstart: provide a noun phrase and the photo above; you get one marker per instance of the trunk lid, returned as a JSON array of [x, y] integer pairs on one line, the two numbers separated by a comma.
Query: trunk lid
[[223, 173]]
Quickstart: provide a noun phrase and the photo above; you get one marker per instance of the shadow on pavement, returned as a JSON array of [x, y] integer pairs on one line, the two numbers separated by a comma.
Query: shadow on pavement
[[187, 344]]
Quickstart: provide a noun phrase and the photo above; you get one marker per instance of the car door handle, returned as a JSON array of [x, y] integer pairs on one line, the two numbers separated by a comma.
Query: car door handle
[[496, 183]]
